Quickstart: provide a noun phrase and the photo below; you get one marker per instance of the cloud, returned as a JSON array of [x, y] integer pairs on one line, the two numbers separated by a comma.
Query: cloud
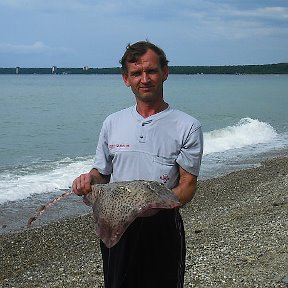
[[37, 47], [227, 21], [56, 6], [269, 12], [88, 28]]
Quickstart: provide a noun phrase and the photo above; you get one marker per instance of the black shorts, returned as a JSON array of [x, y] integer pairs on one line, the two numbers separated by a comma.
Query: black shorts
[[150, 254]]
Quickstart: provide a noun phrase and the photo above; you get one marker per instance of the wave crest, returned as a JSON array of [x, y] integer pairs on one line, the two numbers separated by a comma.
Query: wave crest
[[246, 132]]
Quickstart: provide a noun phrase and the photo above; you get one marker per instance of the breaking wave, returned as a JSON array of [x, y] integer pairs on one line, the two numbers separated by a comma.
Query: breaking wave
[[245, 133]]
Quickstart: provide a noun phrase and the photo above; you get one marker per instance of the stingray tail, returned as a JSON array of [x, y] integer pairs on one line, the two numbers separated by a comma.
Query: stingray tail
[[43, 208]]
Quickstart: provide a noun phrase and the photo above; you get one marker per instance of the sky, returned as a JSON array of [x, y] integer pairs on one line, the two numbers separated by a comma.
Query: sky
[[94, 33]]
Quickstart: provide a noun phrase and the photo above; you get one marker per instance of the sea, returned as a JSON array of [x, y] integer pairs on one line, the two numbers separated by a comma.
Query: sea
[[49, 127]]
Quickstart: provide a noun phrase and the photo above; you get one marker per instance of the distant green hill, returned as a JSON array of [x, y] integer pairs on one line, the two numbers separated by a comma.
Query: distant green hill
[[280, 68]]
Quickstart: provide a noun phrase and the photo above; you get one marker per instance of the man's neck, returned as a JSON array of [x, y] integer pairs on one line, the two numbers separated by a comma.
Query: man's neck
[[148, 109]]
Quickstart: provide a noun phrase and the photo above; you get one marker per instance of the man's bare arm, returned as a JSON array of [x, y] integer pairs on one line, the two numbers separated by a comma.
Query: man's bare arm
[[187, 186]]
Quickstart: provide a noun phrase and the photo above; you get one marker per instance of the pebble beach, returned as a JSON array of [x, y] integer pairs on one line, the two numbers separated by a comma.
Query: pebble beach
[[236, 234]]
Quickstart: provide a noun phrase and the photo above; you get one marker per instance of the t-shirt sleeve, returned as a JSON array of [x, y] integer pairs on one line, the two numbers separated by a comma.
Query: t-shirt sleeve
[[103, 161], [190, 155]]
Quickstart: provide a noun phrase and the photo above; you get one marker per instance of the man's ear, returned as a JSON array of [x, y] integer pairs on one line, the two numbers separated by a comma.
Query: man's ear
[[165, 70], [125, 79]]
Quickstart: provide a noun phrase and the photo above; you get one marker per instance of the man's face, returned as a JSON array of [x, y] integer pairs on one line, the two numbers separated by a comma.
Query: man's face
[[146, 77]]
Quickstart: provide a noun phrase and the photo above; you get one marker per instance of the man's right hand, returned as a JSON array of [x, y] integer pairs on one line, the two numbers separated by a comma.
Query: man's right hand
[[82, 184]]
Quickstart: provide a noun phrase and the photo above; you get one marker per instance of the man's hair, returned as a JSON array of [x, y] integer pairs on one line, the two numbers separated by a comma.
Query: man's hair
[[136, 50]]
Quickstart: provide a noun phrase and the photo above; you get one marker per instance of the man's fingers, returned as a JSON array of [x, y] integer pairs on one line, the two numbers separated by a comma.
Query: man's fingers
[[82, 184]]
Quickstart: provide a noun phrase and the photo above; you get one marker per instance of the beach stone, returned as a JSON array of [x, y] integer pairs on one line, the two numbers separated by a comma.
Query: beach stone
[[285, 280]]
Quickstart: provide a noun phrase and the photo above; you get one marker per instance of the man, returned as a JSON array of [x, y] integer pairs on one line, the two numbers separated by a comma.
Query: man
[[149, 141]]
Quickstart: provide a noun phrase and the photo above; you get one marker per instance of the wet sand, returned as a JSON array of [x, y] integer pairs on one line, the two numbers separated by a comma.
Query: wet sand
[[236, 233]]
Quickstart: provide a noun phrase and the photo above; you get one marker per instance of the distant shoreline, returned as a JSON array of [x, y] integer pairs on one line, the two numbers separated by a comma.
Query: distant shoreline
[[279, 68]]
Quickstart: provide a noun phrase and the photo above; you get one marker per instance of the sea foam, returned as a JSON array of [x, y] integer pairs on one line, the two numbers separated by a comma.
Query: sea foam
[[41, 178], [246, 132]]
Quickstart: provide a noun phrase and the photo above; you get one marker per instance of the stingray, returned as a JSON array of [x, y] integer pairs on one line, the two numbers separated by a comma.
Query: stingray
[[117, 205]]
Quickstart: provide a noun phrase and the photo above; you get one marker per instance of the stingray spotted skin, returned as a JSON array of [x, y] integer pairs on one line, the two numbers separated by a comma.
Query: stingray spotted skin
[[117, 205]]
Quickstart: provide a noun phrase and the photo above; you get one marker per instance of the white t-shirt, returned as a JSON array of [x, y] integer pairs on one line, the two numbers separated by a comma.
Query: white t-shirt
[[131, 147]]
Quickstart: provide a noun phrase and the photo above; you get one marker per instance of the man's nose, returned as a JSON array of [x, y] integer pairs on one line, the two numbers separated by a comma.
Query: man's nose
[[145, 77]]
